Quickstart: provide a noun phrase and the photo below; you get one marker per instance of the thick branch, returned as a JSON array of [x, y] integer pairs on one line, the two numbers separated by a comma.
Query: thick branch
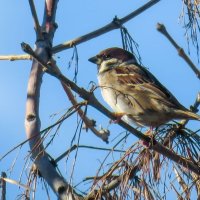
[[3, 186], [115, 24], [161, 28], [32, 121], [96, 104]]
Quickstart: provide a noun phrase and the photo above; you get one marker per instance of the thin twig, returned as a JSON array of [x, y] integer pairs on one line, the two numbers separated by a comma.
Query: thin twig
[[182, 123], [115, 24], [103, 161], [161, 28], [15, 57], [87, 147], [16, 183], [44, 130], [182, 183], [88, 96], [35, 19], [116, 180], [193, 108], [88, 122], [47, 130], [190, 16]]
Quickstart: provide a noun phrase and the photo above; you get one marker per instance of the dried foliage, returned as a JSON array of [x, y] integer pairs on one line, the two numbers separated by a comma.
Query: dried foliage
[[191, 17], [137, 174]]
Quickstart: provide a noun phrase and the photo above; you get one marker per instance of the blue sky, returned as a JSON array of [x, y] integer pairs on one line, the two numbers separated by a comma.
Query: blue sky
[[74, 19]]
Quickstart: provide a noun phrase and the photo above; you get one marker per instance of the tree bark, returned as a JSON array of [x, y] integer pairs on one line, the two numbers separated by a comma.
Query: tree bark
[[32, 120]]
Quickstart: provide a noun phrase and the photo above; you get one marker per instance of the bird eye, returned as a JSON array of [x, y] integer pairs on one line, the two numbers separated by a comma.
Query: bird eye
[[106, 57]]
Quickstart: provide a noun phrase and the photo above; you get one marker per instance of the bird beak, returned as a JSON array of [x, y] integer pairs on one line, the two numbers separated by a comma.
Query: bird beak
[[94, 60]]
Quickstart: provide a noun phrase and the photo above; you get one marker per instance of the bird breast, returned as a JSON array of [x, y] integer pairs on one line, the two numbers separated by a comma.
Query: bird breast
[[112, 93]]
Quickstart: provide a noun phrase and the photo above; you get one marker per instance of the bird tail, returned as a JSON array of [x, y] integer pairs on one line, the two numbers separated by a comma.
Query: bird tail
[[189, 115]]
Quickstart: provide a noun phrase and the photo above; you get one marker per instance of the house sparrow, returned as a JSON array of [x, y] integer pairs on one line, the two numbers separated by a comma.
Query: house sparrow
[[134, 93]]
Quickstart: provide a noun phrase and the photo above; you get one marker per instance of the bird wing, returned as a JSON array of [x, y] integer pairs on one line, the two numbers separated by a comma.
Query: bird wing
[[137, 76]]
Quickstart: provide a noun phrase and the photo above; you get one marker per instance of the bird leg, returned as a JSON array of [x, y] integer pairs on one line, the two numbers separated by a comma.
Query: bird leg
[[118, 117], [150, 134]]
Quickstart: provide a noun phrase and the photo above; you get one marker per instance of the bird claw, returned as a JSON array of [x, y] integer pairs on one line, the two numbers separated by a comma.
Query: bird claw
[[118, 117], [150, 134]]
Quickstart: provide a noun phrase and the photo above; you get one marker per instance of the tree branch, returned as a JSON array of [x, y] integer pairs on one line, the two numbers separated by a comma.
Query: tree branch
[[182, 123], [88, 123], [87, 147], [3, 186], [115, 24], [35, 19], [114, 183], [96, 104], [15, 57], [32, 121], [161, 28]]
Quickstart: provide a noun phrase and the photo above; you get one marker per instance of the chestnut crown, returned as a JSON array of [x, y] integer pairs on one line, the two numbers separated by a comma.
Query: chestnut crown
[[113, 52]]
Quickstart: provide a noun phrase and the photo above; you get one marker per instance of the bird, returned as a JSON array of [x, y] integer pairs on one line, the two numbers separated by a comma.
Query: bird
[[134, 93]]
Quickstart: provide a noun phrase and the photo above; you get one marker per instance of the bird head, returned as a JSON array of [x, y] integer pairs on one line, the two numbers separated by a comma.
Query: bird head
[[111, 57]]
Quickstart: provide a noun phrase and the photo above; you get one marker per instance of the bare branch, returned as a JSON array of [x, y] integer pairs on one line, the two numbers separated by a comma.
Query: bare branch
[[88, 123], [115, 24], [196, 180], [32, 121], [193, 108], [88, 96], [182, 123], [161, 28], [16, 183], [44, 130], [114, 183], [15, 57], [49, 25], [3, 186], [87, 147], [182, 183], [190, 16], [35, 19]]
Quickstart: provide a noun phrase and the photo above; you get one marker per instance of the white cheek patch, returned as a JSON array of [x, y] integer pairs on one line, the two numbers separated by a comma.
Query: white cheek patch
[[108, 65], [103, 67]]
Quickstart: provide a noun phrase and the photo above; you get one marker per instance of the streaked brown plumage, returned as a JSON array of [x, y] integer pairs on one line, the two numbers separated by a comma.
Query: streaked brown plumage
[[132, 91]]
